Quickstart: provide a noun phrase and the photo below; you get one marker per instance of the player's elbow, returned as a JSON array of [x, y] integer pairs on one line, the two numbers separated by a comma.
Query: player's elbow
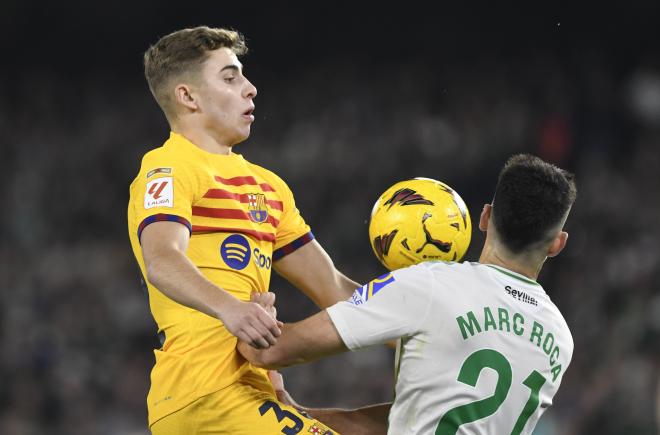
[[161, 262], [157, 266], [154, 273], [270, 359]]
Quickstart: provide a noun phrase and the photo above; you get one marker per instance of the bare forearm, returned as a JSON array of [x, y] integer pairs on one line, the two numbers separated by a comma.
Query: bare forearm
[[338, 288], [294, 347], [325, 288], [311, 270], [370, 420], [304, 341], [177, 277], [346, 288]]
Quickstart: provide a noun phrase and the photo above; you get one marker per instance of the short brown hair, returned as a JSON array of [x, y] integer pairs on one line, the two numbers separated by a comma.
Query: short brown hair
[[532, 197], [182, 52]]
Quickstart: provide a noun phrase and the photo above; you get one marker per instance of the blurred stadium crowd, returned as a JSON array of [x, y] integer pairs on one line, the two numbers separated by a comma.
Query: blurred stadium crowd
[[75, 329]]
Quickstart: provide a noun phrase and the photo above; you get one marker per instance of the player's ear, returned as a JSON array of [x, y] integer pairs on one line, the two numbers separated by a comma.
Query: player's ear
[[485, 217], [558, 244], [184, 96]]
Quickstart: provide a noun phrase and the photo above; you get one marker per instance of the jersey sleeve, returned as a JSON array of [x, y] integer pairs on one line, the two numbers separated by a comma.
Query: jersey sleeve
[[292, 231], [389, 307], [163, 191]]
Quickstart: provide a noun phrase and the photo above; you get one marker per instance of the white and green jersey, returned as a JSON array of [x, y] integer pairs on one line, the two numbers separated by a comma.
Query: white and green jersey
[[482, 349]]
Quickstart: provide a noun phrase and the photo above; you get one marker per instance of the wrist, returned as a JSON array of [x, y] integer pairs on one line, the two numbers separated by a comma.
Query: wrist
[[224, 304]]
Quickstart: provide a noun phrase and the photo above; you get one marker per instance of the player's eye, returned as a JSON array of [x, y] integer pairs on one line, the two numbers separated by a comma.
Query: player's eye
[[229, 79]]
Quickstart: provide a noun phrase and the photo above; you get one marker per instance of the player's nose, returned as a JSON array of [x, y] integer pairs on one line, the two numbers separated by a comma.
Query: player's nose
[[250, 90]]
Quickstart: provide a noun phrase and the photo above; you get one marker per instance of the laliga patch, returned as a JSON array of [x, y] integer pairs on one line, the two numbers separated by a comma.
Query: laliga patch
[[159, 193], [159, 171], [364, 293]]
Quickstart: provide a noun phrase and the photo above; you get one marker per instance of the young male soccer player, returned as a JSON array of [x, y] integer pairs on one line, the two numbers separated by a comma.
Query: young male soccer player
[[206, 227], [482, 347]]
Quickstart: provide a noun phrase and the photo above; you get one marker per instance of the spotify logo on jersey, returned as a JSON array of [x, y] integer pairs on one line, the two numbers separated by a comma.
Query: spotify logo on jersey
[[235, 251]]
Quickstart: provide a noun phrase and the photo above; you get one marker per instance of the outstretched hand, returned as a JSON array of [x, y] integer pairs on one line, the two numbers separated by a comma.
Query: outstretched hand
[[251, 323]]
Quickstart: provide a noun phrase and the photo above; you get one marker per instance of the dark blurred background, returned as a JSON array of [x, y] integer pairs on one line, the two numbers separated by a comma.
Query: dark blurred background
[[352, 98]]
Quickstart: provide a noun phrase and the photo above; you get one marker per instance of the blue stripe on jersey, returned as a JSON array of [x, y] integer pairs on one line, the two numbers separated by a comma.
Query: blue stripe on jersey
[[287, 249], [163, 217]]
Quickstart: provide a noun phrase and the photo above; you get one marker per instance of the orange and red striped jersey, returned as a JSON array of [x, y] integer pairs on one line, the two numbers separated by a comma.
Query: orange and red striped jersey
[[241, 218]]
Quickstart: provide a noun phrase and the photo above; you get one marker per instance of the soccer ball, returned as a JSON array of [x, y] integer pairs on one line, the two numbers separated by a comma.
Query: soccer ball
[[419, 220]]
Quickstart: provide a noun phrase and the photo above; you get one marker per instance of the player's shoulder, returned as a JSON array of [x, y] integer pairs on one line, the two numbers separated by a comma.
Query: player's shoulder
[[168, 160], [441, 276], [417, 272], [165, 161], [439, 266], [170, 153], [558, 320]]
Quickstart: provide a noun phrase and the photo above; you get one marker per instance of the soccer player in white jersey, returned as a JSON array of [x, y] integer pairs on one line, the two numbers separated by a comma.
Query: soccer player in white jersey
[[482, 349]]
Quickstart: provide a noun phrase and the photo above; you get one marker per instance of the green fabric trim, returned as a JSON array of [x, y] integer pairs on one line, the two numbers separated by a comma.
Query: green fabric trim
[[513, 275]]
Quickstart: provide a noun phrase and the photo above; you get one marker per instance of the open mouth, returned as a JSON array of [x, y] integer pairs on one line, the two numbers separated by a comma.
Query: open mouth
[[248, 116]]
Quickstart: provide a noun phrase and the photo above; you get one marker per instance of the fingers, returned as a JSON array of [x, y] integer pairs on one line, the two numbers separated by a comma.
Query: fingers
[[256, 339], [273, 312], [267, 319], [259, 343], [266, 327], [254, 324], [265, 299], [269, 299]]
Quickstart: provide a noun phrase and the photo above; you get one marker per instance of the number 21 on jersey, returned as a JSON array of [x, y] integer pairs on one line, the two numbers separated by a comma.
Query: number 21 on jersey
[[469, 374]]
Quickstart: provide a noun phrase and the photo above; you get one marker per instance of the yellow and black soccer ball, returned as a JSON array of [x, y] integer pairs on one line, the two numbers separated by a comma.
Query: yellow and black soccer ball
[[419, 220]]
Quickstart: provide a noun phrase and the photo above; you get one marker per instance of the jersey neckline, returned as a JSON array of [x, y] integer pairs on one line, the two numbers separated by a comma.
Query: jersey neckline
[[513, 274], [178, 140]]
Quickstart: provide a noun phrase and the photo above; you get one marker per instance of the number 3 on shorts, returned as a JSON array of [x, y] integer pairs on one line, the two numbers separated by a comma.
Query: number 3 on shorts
[[296, 424]]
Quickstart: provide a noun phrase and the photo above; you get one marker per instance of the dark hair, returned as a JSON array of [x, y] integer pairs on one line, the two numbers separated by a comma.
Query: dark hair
[[531, 198], [183, 52]]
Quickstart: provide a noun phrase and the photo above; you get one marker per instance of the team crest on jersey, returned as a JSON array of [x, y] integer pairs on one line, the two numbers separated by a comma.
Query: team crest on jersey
[[159, 193], [257, 208], [367, 291], [316, 430]]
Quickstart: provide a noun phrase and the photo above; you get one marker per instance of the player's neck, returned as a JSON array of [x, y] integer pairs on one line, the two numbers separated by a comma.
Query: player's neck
[[202, 139], [498, 256]]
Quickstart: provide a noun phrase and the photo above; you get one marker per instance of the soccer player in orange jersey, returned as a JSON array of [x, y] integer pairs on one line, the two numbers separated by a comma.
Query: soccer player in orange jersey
[[206, 227]]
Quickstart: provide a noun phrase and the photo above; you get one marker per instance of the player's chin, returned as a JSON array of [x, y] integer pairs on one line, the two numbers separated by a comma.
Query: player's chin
[[240, 135], [246, 120]]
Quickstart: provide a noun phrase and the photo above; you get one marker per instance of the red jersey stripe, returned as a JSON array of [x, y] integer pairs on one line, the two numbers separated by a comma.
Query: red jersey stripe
[[240, 197], [228, 213], [269, 237], [277, 205], [240, 181]]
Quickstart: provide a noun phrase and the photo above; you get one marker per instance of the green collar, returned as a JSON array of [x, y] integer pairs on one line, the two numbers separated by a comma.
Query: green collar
[[513, 274]]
